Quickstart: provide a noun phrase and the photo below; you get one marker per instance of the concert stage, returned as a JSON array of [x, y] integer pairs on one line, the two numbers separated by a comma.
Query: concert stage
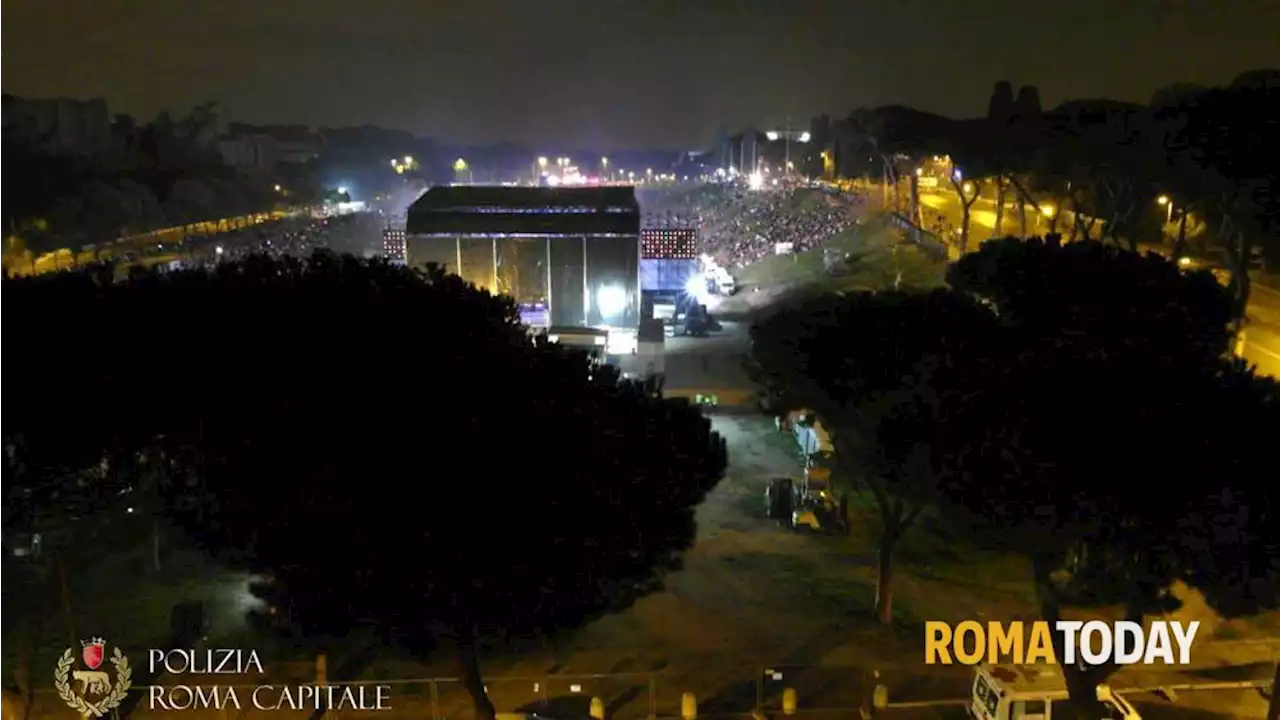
[[575, 251]]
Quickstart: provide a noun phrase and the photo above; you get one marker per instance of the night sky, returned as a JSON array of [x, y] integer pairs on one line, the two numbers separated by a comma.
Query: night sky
[[613, 73]]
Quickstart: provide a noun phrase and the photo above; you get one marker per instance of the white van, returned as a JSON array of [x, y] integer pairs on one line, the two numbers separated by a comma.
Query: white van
[[1028, 692]]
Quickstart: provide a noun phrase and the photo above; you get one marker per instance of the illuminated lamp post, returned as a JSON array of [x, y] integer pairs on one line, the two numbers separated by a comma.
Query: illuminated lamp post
[[460, 166]]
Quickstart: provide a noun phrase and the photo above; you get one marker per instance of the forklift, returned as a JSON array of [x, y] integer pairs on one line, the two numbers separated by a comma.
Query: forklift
[[695, 322]]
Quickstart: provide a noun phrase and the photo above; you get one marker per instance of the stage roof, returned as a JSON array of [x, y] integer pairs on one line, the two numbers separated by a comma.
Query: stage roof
[[483, 210]]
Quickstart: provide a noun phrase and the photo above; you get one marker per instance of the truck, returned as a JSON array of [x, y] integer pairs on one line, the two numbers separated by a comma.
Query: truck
[[593, 340], [816, 506], [1010, 691]]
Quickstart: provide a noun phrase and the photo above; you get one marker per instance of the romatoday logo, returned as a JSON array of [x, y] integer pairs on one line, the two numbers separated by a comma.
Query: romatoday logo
[[95, 694]]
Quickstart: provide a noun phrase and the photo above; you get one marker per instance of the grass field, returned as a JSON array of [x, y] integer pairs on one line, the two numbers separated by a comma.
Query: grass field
[[876, 258], [103, 583]]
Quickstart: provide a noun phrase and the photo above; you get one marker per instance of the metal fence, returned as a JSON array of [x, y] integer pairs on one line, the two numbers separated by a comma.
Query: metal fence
[[722, 690], [738, 693], [934, 246]]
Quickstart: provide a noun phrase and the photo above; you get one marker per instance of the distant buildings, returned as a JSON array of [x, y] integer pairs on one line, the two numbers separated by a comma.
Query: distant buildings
[[58, 124], [262, 148], [249, 154]]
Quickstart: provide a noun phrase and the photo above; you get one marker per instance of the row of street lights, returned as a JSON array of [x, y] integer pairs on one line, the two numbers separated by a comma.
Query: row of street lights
[[403, 165], [539, 168], [1047, 210]]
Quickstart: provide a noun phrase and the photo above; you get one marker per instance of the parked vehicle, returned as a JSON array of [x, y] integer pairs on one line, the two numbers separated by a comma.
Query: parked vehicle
[[818, 512], [1028, 692], [780, 499]]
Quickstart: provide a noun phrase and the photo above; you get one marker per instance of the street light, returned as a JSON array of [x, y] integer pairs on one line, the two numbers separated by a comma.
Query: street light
[[604, 167], [1167, 202], [408, 159], [460, 165]]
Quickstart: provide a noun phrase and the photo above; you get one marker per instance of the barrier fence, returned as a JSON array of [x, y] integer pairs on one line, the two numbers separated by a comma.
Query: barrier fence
[[807, 692], [667, 694]]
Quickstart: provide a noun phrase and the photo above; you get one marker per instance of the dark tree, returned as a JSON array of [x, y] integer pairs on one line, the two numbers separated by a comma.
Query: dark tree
[[388, 447], [1000, 106], [860, 361], [1139, 308], [1121, 453], [391, 449]]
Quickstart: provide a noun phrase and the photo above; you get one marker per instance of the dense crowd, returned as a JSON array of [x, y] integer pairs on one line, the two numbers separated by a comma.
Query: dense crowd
[[738, 226], [355, 233]]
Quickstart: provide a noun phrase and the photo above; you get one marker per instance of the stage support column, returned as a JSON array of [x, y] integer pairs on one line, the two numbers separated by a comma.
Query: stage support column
[[586, 287]]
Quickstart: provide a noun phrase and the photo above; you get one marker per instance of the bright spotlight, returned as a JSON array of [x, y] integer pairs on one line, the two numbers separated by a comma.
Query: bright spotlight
[[342, 190], [804, 137], [771, 135], [755, 181], [612, 300], [696, 285]]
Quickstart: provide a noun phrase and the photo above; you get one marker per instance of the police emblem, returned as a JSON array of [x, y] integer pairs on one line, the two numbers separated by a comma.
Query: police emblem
[[94, 694]]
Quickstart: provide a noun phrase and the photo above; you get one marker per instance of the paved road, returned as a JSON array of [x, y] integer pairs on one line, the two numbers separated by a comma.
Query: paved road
[[1262, 336]]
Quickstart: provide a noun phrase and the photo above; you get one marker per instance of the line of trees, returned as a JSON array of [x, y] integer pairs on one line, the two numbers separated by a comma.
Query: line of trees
[[386, 447], [1205, 150], [162, 174], [1071, 403]]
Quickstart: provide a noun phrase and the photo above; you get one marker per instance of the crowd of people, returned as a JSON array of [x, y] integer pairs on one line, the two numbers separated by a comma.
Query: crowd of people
[[357, 233], [739, 226]]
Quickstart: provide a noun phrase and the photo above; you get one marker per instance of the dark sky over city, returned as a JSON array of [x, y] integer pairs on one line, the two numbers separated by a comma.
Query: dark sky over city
[[613, 73]]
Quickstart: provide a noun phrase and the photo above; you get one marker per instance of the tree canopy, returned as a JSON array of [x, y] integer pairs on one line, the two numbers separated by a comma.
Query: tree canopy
[[387, 447], [148, 177], [1129, 452], [1201, 152], [1076, 401], [1134, 306], [859, 360]]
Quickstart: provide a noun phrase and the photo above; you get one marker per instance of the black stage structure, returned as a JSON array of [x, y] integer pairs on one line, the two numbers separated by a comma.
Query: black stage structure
[[576, 250]]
